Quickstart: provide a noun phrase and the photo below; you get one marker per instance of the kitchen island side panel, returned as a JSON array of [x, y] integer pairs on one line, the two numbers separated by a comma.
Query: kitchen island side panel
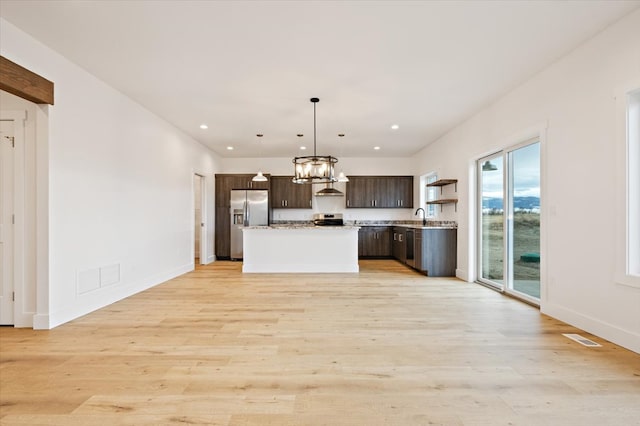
[[300, 250]]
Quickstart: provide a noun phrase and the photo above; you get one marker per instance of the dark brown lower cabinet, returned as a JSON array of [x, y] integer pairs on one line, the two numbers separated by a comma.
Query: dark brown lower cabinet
[[435, 252], [430, 251], [374, 241], [223, 233], [399, 243]]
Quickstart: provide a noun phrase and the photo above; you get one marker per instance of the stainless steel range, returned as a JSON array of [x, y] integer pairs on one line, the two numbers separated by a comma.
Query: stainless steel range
[[328, 219]]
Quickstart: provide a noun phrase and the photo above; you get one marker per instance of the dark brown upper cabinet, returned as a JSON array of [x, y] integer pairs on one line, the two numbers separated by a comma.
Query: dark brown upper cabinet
[[288, 195], [379, 192]]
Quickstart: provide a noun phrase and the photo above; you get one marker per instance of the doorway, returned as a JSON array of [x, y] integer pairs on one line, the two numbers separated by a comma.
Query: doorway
[[6, 223], [199, 237], [509, 220]]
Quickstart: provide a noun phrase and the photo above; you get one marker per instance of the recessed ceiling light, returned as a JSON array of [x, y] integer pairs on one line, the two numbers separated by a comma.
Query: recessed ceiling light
[[394, 127], [376, 148], [230, 148], [204, 126], [303, 147]]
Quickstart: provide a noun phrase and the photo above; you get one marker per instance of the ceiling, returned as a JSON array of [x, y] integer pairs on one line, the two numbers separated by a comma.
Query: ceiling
[[245, 68]]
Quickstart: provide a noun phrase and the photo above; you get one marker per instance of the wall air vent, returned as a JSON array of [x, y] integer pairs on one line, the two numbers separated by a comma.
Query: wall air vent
[[582, 340]]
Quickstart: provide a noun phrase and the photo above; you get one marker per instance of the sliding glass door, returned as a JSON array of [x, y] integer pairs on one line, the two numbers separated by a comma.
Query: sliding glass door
[[491, 214], [509, 220], [524, 220]]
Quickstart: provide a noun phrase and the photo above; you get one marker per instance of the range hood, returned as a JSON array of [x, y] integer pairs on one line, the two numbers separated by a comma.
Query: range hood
[[329, 191]]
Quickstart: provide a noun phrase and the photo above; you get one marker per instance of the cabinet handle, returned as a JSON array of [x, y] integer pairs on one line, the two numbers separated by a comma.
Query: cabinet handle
[[395, 236], [286, 203], [310, 205], [348, 203]]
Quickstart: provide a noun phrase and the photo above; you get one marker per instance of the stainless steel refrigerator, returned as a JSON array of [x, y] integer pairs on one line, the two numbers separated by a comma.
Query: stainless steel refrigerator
[[249, 207]]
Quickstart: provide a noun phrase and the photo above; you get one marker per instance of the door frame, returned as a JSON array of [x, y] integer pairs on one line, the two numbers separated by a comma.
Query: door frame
[[20, 317], [509, 188], [7, 147], [204, 255], [492, 284]]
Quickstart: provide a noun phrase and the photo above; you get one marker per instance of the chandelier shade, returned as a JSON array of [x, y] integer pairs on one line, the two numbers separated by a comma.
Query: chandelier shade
[[259, 178], [342, 177], [314, 168]]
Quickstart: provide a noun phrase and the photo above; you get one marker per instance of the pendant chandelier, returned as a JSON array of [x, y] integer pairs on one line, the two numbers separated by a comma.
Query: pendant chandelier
[[315, 168], [259, 177]]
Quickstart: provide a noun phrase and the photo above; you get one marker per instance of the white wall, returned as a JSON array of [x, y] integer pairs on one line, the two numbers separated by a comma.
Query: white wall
[[351, 166], [574, 98], [120, 189]]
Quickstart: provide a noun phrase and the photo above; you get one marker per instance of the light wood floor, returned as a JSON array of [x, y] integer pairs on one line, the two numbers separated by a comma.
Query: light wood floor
[[384, 347]]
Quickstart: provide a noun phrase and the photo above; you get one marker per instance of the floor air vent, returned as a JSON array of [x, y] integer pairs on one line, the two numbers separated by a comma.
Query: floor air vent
[[582, 340]]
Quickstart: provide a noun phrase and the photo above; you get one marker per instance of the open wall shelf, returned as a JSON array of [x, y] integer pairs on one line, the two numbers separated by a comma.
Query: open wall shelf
[[442, 201]]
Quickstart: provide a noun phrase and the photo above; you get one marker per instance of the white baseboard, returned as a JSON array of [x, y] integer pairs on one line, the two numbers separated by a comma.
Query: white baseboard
[[462, 274], [41, 322], [23, 319], [610, 332]]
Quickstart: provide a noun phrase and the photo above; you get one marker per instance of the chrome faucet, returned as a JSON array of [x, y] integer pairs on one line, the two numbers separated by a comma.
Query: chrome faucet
[[424, 219]]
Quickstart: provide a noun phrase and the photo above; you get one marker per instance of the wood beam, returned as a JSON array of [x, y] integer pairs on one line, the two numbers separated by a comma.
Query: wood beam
[[24, 83]]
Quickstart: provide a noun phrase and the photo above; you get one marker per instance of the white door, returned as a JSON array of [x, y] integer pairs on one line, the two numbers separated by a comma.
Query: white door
[[199, 228], [6, 222]]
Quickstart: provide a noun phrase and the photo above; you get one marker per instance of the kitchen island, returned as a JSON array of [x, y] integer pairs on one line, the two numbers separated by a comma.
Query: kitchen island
[[296, 248]]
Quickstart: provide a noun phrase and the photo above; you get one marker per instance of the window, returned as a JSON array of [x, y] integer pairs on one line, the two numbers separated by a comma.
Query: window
[[431, 194]]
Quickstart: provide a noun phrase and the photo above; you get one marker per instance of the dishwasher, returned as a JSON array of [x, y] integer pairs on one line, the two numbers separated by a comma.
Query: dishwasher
[[411, 260]]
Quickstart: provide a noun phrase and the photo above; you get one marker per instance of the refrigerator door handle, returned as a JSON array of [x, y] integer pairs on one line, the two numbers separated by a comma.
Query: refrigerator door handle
[[246, 214]]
